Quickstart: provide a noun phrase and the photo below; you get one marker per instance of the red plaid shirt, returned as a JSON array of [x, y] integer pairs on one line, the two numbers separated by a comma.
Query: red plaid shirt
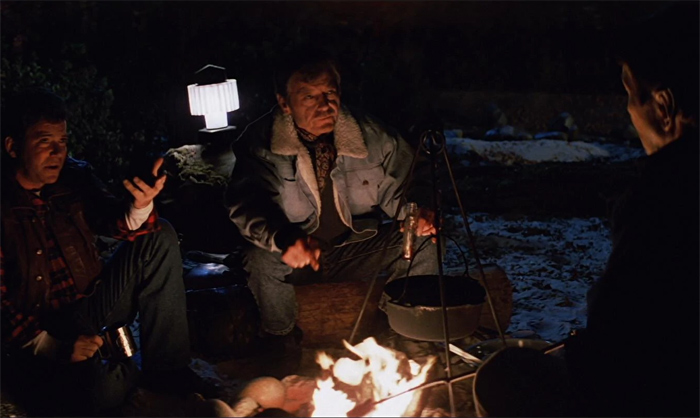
[[63, 289]]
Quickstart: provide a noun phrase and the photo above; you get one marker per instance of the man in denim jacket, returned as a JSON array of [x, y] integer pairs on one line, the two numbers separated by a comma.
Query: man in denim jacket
[[311, 184]]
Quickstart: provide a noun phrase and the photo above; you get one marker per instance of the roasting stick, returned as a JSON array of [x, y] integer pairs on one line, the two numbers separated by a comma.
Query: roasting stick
[[367, 406]]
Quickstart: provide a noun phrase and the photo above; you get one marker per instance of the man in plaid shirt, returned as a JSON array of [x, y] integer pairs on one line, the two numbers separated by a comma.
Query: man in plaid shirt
[[57, 294]]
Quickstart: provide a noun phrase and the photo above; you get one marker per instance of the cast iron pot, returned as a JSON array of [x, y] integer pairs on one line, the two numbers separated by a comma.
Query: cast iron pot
[[415, 311], [523, 381]]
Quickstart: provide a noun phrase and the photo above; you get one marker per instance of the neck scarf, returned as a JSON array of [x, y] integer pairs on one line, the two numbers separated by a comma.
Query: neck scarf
[[323, 154]]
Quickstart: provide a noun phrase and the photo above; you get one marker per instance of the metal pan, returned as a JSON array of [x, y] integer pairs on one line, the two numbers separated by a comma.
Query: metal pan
[[414, 309]]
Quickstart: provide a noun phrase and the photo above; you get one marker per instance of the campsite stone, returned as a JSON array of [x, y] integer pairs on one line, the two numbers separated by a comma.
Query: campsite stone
[[564, 136], [267, 391], [453, 133], [245, 407], [496, 117], [565, 123], [507, 133], [190, 165], [300, 390], [192, 199], [201, 407], [500, 133]]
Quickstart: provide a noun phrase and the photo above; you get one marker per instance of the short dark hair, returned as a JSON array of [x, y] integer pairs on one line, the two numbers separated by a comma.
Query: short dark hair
[[25, 108], [662, 52], [309, 63]]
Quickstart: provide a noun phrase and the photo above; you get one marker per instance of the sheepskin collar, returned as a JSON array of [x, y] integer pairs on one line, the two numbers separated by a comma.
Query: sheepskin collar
[[347, 134]]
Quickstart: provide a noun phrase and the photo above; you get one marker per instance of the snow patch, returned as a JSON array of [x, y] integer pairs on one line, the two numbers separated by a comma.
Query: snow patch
[[537, 151], [551, 265]]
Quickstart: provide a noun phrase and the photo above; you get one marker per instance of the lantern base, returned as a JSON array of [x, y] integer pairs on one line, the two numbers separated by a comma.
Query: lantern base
[[217, 138], [213, 131]]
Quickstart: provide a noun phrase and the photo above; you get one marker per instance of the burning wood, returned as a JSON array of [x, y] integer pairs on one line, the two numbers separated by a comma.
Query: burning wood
[[350, 387]]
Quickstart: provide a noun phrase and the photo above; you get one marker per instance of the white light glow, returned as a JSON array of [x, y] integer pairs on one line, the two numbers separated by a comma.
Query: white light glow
[[213, 101], [216, 120]]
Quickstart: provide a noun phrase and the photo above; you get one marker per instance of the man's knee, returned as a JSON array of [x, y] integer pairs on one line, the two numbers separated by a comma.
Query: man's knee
[[425, 244], [255, 258], [261, 263], [426, 250]]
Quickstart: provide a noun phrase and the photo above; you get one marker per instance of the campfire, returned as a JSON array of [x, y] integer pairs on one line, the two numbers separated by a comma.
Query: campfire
[[377, 383]]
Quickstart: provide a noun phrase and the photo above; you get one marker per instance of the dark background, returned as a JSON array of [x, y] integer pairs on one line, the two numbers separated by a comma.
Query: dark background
[[124, 66]]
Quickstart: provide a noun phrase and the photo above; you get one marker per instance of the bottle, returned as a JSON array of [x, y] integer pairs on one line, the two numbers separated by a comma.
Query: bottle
[[410, 227]]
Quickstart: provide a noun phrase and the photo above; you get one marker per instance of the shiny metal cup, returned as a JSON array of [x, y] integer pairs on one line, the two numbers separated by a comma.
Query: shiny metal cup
[[119, 343]]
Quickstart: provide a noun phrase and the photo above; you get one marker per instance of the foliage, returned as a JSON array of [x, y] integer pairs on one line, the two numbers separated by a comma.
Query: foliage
[[125, 65], [66, 67], [94, 136]]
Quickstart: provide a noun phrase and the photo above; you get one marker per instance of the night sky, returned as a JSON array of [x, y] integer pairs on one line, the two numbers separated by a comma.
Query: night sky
[[391, 53]]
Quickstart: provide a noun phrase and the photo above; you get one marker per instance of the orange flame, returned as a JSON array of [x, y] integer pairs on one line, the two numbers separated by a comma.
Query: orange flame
[[380, 369]]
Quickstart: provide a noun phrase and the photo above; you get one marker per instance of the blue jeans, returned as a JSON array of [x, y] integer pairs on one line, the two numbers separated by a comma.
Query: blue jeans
[[272, 282], [144, 277]]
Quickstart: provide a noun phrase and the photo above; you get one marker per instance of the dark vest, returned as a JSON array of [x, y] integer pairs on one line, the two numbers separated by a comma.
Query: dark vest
[[24, 243]]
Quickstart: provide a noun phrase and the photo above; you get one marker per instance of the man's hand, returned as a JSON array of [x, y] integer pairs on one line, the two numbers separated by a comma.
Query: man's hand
[[85, 347], [304, 252], [142, 192], [426, 224]]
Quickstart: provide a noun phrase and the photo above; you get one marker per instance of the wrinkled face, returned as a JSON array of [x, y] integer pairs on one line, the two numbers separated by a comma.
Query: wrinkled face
[[42, 156], [314, 105], [641, 111]]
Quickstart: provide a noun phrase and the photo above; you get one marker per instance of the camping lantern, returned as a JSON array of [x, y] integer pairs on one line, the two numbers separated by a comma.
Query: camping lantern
[[213, 96]]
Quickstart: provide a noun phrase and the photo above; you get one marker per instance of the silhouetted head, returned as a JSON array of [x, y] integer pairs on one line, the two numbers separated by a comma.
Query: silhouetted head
[[34, 136], [659, 59]]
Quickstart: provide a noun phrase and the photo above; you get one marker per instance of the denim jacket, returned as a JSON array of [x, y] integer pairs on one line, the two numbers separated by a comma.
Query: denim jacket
[[273, 193]]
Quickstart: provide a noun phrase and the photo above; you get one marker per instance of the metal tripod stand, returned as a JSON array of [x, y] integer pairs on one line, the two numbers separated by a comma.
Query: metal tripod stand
[[432, 142]]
